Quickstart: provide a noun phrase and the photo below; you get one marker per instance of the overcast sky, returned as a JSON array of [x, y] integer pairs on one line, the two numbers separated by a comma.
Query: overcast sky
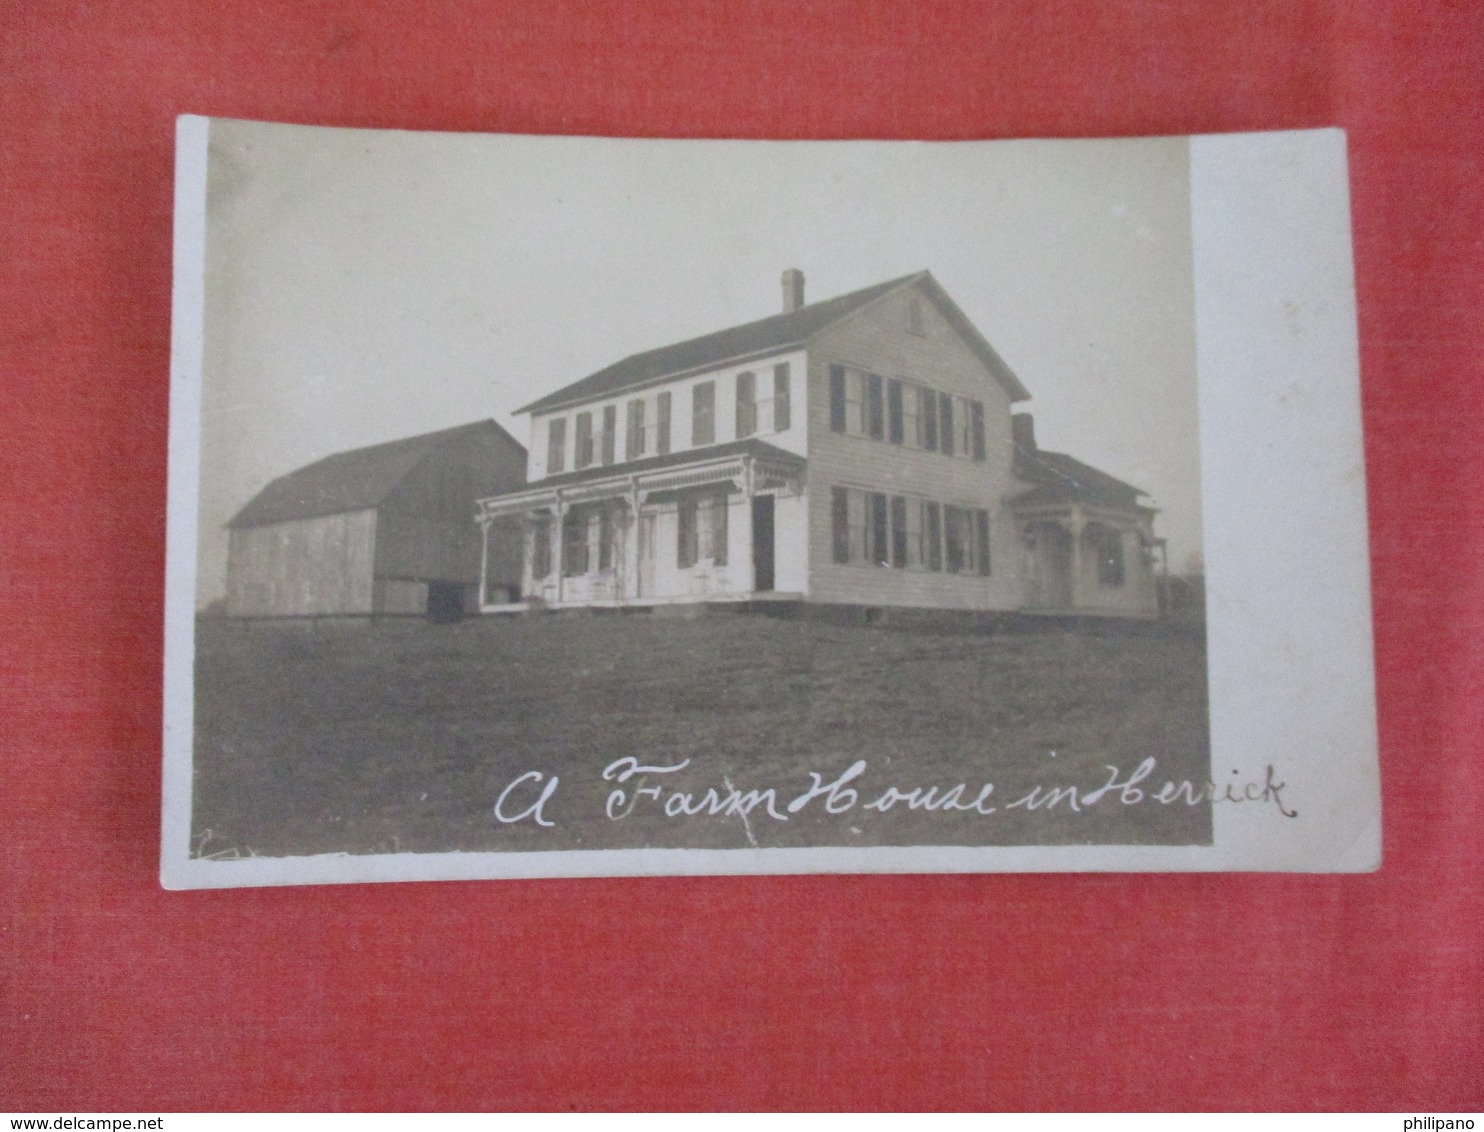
[[368, 285]]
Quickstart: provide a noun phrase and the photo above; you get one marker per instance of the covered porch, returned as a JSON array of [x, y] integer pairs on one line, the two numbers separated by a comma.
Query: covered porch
[[1079, 558], [674, 529]]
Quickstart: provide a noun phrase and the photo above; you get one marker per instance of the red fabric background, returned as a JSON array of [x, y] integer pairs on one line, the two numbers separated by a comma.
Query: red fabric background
[[1021, 992]]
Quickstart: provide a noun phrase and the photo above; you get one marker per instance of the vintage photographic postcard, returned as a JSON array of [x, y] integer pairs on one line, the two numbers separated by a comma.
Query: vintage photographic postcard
[[576, 507]]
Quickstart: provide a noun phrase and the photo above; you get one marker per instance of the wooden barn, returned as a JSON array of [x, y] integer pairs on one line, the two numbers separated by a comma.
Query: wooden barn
[[387, 529]]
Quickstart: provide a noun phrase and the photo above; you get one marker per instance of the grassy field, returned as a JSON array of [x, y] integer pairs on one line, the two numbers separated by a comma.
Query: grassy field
[[402, 736]]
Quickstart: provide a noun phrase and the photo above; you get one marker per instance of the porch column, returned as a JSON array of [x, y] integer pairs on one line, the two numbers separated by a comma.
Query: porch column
[[556, 538], [1077, 524], [749, 565], [631, 548], [484, 562]]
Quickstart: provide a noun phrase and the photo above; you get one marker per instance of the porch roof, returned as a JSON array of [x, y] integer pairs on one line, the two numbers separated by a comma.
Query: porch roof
[[673, 470], [749, 447], [1059, 478]]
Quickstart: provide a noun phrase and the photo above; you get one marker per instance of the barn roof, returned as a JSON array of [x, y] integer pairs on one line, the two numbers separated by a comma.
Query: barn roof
[[1059, 478], [355, 480], [776, 332]]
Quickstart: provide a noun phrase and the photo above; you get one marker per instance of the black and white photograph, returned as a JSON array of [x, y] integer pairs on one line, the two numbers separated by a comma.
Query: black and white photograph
[[548, 506]]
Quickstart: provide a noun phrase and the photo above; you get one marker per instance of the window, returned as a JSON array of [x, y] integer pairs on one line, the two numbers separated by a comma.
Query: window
[[953, 531], [703, 414], [746, 404], [894, 414], [932, 535], [574, 543], [662, 424], [606, 539], [584, 455], [976, 416], [556, 447], [945, 424], [961, 428], [782, 410], [981, 540], [610, 432], [855, 402], [911, 417], [717, 516], [875, 410], [879, 551], [840, 523], [633, 446], [702, 530], [927, 403], [1107, 546], [900, 536], [540, 548]]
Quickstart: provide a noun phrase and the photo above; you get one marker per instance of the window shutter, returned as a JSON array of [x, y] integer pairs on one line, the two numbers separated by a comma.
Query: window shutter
[[875, 413], [933, 531], [610, 431], [981, 532], [685, 543], [662, 424], [976, 417], [556, 447], [837, 398], [945, 423], [880, 552], [840, 523]]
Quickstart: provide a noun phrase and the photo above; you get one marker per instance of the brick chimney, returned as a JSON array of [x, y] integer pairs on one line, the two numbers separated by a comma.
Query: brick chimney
[[1023, 431], [793, 290]]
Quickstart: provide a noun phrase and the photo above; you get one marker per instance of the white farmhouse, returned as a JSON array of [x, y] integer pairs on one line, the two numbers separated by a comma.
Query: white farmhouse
[[859, 451]]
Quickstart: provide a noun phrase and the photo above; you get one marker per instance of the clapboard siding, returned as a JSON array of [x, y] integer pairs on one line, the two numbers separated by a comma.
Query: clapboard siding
[[302, 567], [878, 340]]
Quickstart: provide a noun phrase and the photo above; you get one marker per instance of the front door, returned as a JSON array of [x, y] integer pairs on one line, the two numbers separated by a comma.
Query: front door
[[762, 543]]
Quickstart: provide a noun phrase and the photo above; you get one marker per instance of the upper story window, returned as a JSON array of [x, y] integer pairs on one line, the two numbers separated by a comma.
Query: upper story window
[[662, 424], [610, 432], [556, 446], [782, 410], [584, 440], [634, 432], [905, 413], [703, 414], [746, 404]]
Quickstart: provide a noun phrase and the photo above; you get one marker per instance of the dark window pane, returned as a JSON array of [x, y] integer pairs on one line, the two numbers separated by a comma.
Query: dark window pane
[[981, 533], [976, 415], [685, 549], [945, 423], [703, 414], [719, 530], [556, 446], [954, 538], [880, 555]]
